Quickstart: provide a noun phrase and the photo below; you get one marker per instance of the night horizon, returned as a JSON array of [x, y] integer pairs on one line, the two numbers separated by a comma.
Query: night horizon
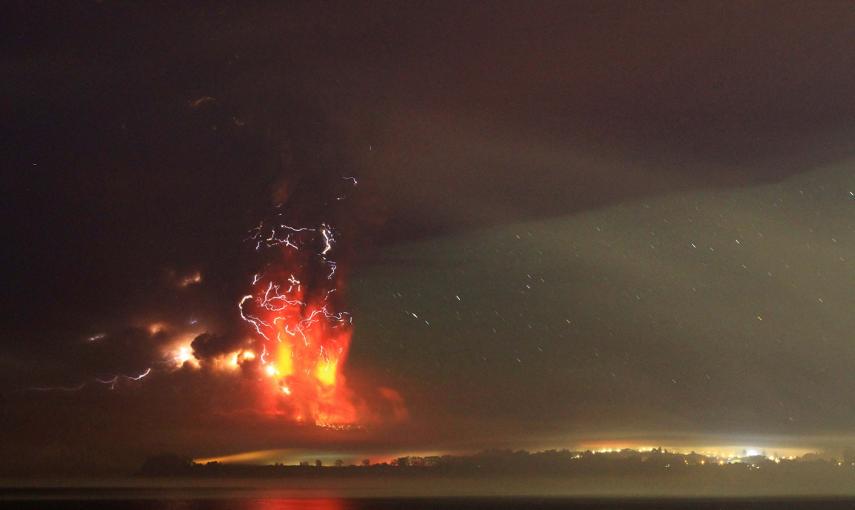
[[268, 232]]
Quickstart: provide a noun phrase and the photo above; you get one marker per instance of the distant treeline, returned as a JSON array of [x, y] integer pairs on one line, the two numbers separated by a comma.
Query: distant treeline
[[551, 462]]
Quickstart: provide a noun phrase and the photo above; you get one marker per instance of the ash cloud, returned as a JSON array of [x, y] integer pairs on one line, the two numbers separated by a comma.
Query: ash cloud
[[126, 351], [454, 118], [211, 345]]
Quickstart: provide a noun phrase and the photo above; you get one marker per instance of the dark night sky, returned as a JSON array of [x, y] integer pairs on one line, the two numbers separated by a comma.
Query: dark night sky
[[574, 220]]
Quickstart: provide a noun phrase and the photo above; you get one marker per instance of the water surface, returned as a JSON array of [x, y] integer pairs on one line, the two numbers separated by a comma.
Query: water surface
[[68, 499]]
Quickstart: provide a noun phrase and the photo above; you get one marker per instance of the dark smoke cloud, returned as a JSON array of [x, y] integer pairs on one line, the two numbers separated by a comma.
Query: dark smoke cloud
[[210, 345], [128, 351]]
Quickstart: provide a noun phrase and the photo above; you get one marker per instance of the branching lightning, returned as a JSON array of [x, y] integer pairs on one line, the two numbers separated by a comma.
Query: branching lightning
[[112, 382], [304, 337]]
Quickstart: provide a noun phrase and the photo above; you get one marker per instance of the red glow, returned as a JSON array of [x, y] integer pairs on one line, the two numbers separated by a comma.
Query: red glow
[[296, 504], [294, 311]]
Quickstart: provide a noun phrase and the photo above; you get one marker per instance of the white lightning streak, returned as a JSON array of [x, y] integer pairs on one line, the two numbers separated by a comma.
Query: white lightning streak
[[328, 240], [250, 319]]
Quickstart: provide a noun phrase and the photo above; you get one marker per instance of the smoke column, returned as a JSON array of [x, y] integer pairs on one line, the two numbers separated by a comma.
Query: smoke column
[[294, 308]]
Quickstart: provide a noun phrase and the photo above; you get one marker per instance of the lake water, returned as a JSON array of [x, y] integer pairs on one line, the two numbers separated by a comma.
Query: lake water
[[59, 500]]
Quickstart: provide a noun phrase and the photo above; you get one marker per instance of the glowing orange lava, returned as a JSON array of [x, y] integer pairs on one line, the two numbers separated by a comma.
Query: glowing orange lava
[[305, 339]]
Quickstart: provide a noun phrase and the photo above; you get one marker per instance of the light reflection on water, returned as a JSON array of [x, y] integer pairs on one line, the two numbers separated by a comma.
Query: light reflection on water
[[287, 503], [62, 503], [294, 504], [69, 501]]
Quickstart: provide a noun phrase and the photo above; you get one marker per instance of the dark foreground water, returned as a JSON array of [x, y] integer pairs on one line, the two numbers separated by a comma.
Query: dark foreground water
[[59, 501]]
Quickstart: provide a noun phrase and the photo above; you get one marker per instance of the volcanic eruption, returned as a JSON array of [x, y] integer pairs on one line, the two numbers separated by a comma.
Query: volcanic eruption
[[295, 310]]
